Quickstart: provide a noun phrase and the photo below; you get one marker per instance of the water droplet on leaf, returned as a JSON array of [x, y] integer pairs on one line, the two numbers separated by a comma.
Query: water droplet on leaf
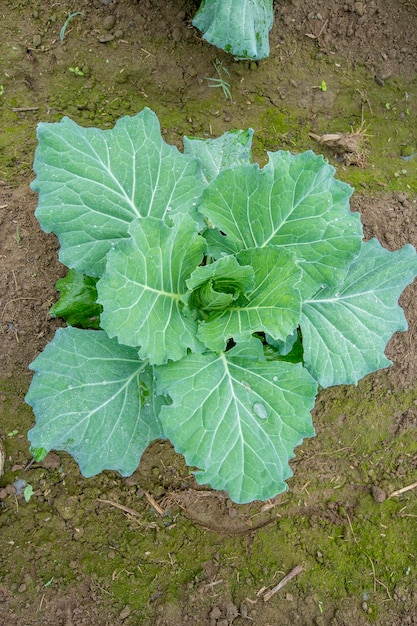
[[275, 378], [260, 410]]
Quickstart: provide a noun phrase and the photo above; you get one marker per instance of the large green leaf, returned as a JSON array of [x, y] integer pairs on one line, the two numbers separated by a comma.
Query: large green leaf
[[273, 306], [144, 284], [293, 202], [346, 328], [77, 303], [94, 399], [92, 183], [230, 149], [237, 417], [240, 27]]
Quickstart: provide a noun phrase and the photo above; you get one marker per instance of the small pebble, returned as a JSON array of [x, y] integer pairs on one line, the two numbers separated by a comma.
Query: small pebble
[[108, 22], [378, 494], [106, 38], [124, 613], [231, 611], [51, 461], [215, 613], [359, 8], [176, 34]]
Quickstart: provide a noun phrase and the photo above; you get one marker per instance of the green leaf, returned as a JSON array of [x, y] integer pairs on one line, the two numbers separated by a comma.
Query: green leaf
[[231, 149], [92, 183], [237, 418], [145, 281], [273, 306], [295, 203], [283, 347], [77, 303], [346, 328], [28, 492], [94, 399], [290, 350], [219, 284], [240, 27], [38, 453]]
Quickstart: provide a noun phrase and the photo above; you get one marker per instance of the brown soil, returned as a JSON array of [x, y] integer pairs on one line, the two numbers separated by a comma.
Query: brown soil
[[103, 546]]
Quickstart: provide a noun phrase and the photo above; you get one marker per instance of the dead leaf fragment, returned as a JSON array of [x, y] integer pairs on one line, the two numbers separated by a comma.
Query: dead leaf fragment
[[348, 145]]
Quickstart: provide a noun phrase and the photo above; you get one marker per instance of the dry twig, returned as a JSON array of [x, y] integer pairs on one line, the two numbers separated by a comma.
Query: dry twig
[[294, 572], [154, 504], [24, 109], [312, 36], [15, 300], [120, 506], [403, 490]]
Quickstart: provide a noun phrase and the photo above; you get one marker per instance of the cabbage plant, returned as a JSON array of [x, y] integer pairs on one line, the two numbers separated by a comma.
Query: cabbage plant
[[226, 294], [240, 27]]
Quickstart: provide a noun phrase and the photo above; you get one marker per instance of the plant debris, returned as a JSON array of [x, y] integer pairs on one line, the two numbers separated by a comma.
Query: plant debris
[[350, 146]]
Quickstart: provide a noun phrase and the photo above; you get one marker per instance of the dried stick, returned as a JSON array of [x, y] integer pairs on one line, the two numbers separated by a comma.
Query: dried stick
[[403, 490], [24, 109], [294, 572], [154, 504], [123, 508], [15, 300]]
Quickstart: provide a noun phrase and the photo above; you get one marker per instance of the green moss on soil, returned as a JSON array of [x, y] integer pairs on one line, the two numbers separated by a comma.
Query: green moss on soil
[[114, 86]]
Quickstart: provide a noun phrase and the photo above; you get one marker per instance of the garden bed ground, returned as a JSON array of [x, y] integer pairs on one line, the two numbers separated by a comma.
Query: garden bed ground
[[155, 548]]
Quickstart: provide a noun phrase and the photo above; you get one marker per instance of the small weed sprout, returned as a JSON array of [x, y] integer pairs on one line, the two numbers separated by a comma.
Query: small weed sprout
[[76, 70], [220, 82], [322, 86]]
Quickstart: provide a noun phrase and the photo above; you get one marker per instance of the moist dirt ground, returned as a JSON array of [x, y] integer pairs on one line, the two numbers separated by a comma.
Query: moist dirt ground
[[156, 548]]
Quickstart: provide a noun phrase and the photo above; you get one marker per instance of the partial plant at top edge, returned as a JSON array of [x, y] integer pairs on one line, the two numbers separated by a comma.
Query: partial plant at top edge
[[239, 27], [209, 299]]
